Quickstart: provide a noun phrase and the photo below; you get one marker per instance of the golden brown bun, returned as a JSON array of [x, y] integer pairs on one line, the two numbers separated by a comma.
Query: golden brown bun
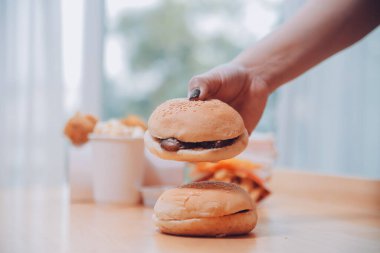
[[198, 155], [202, 199], [234, 224], [195, 121], [205, 209]]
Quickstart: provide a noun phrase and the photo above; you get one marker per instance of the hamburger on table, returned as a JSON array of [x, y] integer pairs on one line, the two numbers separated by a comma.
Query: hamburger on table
[[205, 209]]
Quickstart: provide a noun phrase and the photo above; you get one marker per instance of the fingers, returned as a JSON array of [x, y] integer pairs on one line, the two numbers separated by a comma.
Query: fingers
[[198, 88], [203, 86], [194, 94], [234, 85], [226, 82]]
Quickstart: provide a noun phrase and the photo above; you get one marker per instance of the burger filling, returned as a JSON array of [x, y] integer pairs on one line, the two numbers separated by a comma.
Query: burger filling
[[243, 211], [173, 145]]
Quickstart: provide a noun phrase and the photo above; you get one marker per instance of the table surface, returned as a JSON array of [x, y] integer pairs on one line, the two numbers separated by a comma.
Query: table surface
[[305, 213]]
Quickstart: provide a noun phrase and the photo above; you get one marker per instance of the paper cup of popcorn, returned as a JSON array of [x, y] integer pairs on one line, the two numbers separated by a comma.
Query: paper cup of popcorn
[[118, 163]]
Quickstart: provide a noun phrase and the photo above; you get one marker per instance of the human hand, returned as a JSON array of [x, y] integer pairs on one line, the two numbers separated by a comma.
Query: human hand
[[241, 88]]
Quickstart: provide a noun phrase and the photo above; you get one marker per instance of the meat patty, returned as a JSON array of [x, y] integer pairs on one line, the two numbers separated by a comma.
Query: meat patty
[[173, 145]]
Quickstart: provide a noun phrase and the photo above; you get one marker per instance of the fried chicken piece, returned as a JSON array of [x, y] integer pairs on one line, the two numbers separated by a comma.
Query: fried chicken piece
[[133, 121], [79, 127]]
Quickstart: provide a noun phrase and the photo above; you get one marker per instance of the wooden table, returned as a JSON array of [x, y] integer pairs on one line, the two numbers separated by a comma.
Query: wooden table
[[306, 213]]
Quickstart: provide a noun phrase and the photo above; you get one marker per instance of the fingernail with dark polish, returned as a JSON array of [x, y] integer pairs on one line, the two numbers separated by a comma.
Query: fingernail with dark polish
[[194, 94]]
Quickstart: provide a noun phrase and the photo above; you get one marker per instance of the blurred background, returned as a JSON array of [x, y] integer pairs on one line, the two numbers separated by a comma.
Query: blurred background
[[112, 58]]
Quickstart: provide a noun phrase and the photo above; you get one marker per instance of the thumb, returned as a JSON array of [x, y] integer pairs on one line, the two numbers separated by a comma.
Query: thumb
[[203, 87]]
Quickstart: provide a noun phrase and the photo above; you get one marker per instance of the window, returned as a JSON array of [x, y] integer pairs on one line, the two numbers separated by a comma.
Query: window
[[153, 48]]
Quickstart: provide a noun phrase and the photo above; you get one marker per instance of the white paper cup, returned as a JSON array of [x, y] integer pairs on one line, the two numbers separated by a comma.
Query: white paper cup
[[118, 169]]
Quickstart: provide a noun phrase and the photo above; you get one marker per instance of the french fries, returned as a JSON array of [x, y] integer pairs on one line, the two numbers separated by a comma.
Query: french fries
[[240, 172]]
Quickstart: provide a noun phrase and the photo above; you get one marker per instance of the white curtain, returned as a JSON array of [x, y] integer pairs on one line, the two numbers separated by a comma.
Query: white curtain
[[92, 65], [31, 107], [33, 88], [328, 120]]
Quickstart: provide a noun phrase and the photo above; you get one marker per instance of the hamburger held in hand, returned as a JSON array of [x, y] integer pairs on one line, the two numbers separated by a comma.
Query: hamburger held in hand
[[196, 131]]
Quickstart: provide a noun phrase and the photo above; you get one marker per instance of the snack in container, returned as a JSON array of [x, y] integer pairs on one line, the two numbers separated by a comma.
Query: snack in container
[[118, 162], [238, 171], [116, 147]]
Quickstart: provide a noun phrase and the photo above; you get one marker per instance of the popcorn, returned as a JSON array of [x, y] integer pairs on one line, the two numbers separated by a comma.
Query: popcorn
[[117, 129], [134, 120]]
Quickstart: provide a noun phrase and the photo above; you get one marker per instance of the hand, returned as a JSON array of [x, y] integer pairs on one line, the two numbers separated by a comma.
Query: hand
[[237, 86]]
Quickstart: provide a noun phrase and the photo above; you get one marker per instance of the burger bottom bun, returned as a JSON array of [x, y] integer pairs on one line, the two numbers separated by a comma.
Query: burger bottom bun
[[198, 155], [233, 224]]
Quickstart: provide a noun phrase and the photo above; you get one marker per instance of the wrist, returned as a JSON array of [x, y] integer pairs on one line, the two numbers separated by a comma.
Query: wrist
[[274, 63], [262, 74]]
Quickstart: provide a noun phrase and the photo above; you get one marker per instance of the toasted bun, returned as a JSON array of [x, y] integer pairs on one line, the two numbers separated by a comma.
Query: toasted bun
[[195, 121], [205, 209], [234, 224], [197, 155]]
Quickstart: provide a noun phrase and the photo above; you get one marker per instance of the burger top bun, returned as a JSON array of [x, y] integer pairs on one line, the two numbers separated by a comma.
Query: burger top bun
[[195, 121], [202, 200]]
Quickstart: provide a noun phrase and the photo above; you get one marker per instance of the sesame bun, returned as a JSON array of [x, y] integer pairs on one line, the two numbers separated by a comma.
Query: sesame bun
[[205, 209], [196, 121]]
